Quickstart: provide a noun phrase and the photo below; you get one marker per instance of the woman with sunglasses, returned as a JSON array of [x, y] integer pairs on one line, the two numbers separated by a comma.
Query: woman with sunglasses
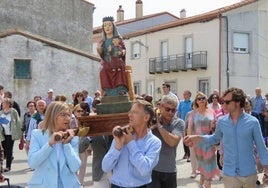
[[215, 102], [84, 143], [201, 121], [78, 98]]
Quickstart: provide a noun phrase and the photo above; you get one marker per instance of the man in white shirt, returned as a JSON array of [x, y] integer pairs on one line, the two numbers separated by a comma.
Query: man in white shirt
[[167, 92], [49, 97]]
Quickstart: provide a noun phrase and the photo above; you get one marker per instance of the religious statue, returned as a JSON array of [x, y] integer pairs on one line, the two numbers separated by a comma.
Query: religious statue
[[113, 66]]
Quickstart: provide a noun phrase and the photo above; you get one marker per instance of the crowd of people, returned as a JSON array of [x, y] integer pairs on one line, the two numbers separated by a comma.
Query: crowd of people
[[213, 129], [224, 135], [240, 137], [13, 127]]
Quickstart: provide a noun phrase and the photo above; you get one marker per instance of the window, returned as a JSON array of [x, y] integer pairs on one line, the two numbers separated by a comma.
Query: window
[[203, 86], [164, 49], [188, 52], [22, 69], [136, 50], [150, 88], [94, 48], [164, 55], [241, 42], [173, 86], [137, 88]]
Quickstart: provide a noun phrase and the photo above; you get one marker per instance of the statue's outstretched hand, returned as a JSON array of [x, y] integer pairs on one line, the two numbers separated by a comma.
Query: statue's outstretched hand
[[99, 47]]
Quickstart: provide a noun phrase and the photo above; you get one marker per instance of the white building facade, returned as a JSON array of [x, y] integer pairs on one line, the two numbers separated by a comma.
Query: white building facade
[[192, 53]]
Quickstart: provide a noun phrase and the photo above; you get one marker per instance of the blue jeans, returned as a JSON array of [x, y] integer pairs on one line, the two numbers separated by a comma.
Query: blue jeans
[[115, 186]]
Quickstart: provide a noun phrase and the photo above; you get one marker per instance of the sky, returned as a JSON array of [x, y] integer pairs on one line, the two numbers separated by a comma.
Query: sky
[[192, 7]]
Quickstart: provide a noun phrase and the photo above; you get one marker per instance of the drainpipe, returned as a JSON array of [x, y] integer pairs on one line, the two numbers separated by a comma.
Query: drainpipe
[[227, 52], [220, 42]]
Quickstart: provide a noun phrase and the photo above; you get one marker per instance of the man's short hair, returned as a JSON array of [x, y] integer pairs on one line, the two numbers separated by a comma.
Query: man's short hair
[[238, 95], [169, 100], [8, 94], [166, 84], [85, 92]]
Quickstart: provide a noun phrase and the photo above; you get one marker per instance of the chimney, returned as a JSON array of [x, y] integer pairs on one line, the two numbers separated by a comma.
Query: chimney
[[120, 14], [139, 9], [183, 13]]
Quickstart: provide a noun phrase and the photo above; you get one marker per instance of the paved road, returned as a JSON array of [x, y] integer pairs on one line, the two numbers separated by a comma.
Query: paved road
[[20, 173]]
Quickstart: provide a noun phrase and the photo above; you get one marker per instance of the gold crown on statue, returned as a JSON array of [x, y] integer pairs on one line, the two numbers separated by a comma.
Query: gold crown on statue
[[108, 18]]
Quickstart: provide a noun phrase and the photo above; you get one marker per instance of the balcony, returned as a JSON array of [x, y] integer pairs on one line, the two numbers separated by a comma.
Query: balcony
[[178, 62]]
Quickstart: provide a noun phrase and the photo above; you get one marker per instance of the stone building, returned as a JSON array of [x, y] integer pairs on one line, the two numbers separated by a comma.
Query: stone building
[[47, 44], [67, 21]]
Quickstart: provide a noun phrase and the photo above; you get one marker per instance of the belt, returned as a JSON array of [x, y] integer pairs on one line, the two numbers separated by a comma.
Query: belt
[[116, 186]]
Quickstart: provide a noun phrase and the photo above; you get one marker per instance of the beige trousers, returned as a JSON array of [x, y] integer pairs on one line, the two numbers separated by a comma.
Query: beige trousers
[[238, 182]]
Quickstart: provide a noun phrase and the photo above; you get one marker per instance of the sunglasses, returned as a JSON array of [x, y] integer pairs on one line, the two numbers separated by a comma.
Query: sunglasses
[[201, 98], [226, 101], [173, 110]]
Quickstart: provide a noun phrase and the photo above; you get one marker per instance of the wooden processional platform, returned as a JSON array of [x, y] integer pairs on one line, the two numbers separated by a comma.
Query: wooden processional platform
[[112, 112], [103, 124]]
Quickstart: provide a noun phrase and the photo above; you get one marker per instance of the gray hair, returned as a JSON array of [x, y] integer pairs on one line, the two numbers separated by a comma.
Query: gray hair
[[169, 100], [41, 101]]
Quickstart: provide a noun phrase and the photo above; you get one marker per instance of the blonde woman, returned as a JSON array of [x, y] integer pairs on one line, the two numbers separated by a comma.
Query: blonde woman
[[53, 155], [201, 121]]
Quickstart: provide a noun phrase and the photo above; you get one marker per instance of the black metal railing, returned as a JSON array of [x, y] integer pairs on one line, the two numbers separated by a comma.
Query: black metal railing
[[178, 62]]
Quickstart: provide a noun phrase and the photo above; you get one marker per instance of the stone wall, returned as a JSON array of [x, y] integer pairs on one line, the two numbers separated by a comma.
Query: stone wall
[[66, 71], [66, 21]]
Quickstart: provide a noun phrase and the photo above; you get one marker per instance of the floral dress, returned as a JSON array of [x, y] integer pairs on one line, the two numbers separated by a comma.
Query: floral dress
[[205, 154]]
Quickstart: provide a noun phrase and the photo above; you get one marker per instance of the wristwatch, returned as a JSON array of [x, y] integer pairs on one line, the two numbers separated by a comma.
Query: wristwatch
[[160, 126]]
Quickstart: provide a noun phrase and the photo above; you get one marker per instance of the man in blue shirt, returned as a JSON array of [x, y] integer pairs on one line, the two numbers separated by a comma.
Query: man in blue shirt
[[257, 103], [88, 99], [131, 158], [183, 108], [239, 132]]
